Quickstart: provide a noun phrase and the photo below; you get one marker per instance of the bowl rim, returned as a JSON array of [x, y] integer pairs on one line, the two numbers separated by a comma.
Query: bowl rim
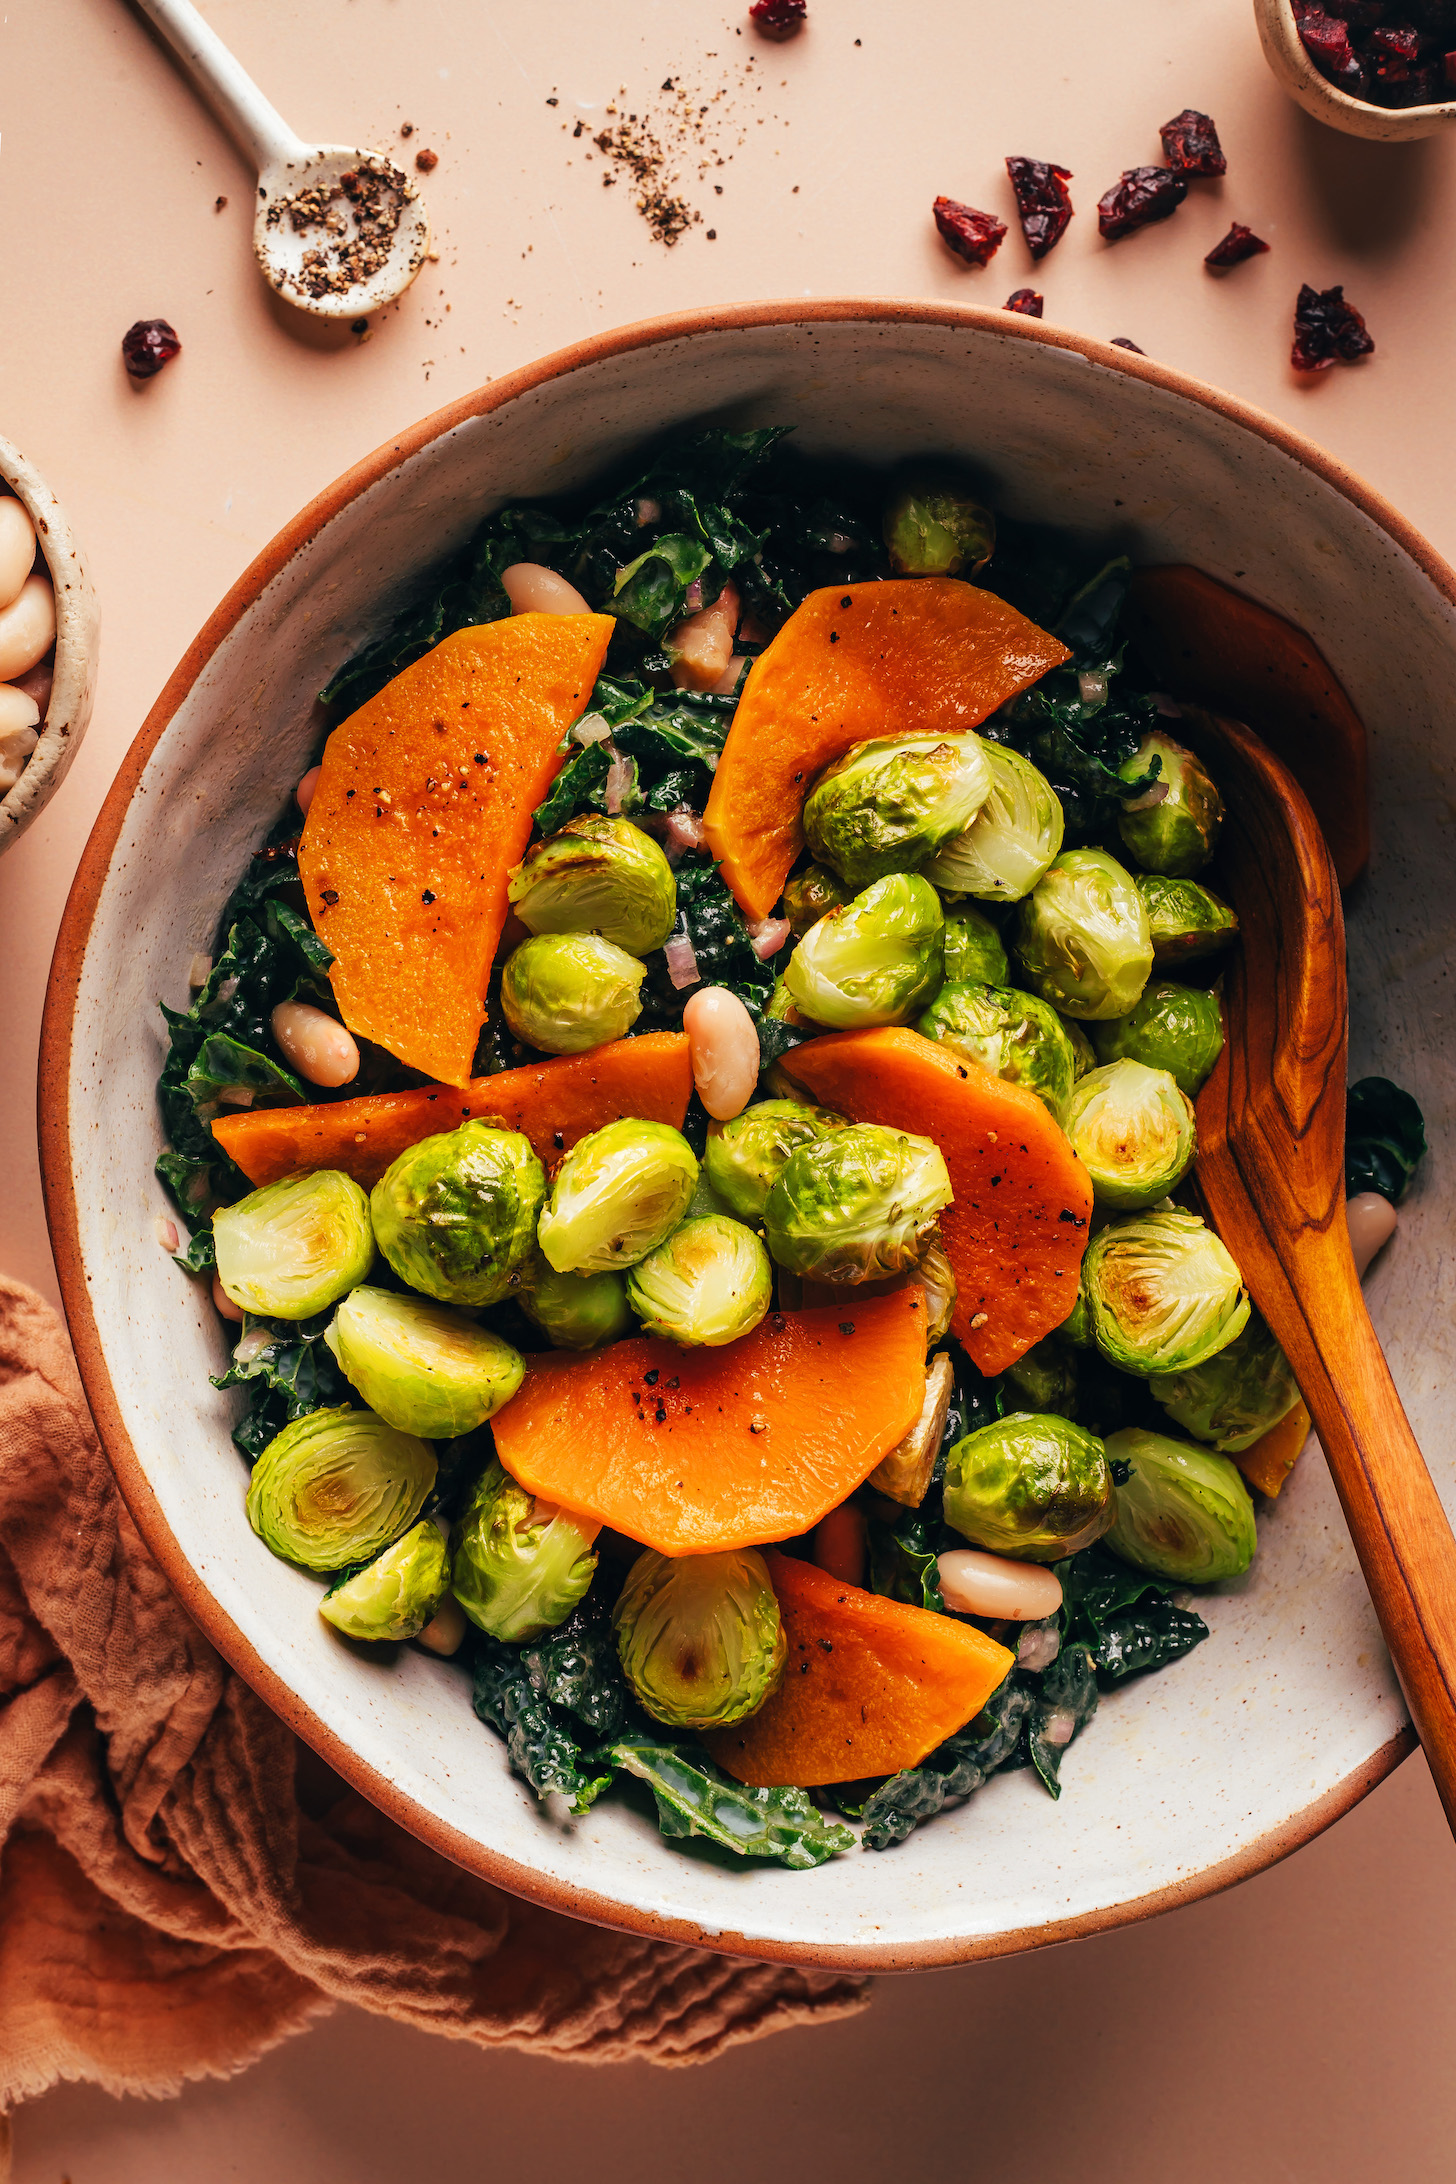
[[54, 1131], [68, 709]]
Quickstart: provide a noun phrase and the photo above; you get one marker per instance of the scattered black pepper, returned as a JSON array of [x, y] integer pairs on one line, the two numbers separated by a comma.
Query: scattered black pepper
[[427, 896]]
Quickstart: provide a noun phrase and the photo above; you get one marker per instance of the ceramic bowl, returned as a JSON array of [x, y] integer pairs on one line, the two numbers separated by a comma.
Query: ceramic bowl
[[1189, 1779], [78, 631], [1292, 66]]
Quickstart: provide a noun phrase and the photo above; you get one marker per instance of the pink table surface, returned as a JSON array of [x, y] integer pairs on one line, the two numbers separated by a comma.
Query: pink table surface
[[1301, 2027]]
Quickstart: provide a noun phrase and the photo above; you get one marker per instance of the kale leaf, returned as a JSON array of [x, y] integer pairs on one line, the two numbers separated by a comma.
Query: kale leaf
[[956, 1769], [1126, 1618], [694, 1797], [542, 1749], [576, 1667], [708, 916], [1065, 1702], [1385, 1139], [287, 1375], [903, 1558]]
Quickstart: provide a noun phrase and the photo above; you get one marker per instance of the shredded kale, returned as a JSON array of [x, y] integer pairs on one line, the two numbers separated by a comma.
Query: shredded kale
[[694, 1797], [541, 1748], [1064, 1703], [894, 1808], [1126, 1618], [1385, 1139], [903, 1556], [708, 916], [575, 1667], [286, 1378], [670, 747]]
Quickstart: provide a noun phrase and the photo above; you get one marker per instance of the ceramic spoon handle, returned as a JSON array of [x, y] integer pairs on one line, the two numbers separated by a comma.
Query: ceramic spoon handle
[[258, 127]]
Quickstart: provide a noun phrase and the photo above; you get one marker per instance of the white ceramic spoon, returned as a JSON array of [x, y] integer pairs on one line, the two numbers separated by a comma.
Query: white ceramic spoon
[[333, 175]]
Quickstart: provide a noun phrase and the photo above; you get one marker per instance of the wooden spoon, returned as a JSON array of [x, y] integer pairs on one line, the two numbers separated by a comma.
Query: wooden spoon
[[1271, 1159]]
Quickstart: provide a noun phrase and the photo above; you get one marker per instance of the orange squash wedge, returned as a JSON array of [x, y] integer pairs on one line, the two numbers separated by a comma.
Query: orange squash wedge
[[870, 1686], [423, 805], [1269, 1461], [554, 1103], [1017, 1229], [690, 1451], [908, 657]]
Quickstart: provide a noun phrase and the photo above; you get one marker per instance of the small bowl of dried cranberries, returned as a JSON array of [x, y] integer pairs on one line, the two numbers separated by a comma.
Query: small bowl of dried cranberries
[[49, 632], [1384, 69]]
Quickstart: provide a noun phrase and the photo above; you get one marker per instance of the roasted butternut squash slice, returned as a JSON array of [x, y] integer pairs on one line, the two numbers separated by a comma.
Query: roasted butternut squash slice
[[870, 1686], [1018, 1227], [689, 1451], [1268, 1463], [905, 657], [423, 805]]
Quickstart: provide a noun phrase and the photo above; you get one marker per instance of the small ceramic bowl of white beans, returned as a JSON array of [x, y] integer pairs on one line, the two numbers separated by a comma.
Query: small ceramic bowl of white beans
[[49, 631]]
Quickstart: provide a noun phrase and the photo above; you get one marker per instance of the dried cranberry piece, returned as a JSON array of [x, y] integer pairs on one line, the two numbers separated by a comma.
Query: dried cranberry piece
[[1327, 330], [974, 236], [1042, 202], [1396, 43], [1143, 195], [1024, 300], [1395, 83], [1120, 341], [779, 18], [147, 346], [1327, 42], [1448, 67], [1238, 244], [1191, 146]]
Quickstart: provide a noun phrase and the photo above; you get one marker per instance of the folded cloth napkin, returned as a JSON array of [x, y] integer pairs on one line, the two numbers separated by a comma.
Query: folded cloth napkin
[[182, 1885]]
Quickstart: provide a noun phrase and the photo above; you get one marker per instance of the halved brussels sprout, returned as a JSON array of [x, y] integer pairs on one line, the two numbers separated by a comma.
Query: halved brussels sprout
[[422, 1367], [1011, 842], [936, 1276], [1231, 1399], [336, 1487], [397, 1593], [1084, 1054], [1082, 936], [933, 527], [1030, 1485], [598, 875], [1174, 831], [1180, 1512], [974, 954], [1177, 1028], [576, 1311], [1010, 1033], [700, 1638], [888, 804], [294, 1248], [857, 1204], [1133, 1131], [810, 895], [1162, 1293], [455, 1215], [876, 961], [707, 1284], [744, 1158], [1185, 920], [518, 1566], [616, 1195], [1045, 1376], [569, 992]]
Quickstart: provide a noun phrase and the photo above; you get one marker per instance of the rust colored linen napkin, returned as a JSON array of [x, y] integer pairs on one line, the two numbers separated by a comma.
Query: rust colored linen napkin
[[171, 1907]]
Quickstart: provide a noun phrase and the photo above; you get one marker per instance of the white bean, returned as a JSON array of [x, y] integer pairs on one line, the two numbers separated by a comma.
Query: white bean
[[224, 1302], [17, 548], [701, 646], [27, 628], [445, 1632], [303, 794], [18, 708], [979, 1584], [723, 1045], [841, 1544], [315, 1044], [1372, 1222], [533, 589]]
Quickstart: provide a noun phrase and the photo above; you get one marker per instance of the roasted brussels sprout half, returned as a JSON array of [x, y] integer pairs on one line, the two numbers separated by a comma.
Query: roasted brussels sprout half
[[810, 895], [889, 804], [422, 1367], [616, 1195], [1231, 1399], [396, 1594], [1174, 826], [569, 992], [1162, 1293], [1180, 1512], [1030, 1485], [1044, 1378], [598, 875], [336, 1487], [1385, 1139], [933, 527], [936, 1277], [1082, 936], [455, 1215], [1185, 921], [1133, 1131], [1084, 1054], [294, 1248], [857, 1204], [974, 953], [699, 1636], [1012, 840], [518, 1566], [877, 960], [1010, 1033], [707, 1284], [576, 1311], [744, 1158], [1177, 1028]]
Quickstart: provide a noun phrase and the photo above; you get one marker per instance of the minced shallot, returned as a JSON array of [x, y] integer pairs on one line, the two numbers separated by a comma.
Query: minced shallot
[[768, 936], [682, 963]]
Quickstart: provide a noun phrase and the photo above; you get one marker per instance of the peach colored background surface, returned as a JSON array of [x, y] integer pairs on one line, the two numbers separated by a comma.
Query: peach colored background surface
[[1299, 2029]]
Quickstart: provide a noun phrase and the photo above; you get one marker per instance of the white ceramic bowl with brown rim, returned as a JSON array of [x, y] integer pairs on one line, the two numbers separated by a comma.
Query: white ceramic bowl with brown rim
[[78, 631], [1285, 52], [1189, 1779]]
